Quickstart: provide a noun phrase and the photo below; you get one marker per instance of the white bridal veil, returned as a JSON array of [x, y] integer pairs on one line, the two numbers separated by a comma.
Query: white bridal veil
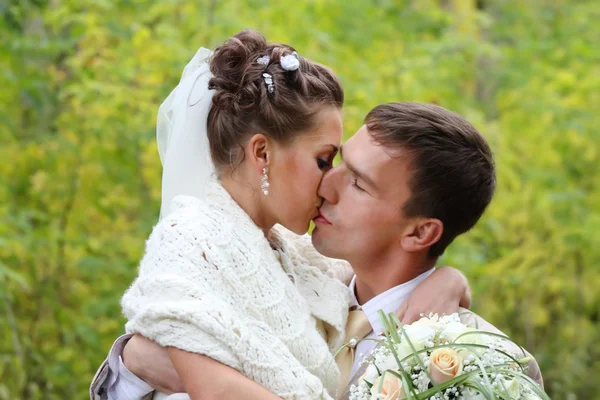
[[181, 133]]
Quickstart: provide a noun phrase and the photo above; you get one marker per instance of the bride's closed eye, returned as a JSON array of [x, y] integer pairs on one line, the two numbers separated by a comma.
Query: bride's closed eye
[[324, 165]]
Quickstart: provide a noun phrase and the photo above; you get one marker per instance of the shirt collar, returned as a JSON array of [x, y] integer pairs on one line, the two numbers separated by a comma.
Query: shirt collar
[[388, 301]]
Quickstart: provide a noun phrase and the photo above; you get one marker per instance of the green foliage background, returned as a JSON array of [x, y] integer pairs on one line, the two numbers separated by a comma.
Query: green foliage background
[[80, 84]]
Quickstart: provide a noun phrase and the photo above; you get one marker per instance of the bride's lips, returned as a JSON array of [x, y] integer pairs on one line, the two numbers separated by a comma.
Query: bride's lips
[[321, 219]]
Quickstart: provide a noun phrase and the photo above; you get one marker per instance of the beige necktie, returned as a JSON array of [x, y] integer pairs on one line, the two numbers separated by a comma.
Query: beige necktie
[[357, 327]]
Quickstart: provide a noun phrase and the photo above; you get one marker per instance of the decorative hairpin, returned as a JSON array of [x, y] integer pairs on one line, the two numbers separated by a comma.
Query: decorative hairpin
[[290, 62], [269, 82], [264, 60]]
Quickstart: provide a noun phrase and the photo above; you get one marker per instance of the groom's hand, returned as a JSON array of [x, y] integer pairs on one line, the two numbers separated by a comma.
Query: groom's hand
[[442, 293], [151, 363]]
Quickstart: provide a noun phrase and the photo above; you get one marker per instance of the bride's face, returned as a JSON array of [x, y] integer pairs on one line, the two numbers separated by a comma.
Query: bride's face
[[297, 169]]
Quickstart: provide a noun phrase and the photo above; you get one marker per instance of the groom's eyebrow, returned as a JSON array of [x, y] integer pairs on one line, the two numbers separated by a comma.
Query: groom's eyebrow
[[361, 175]]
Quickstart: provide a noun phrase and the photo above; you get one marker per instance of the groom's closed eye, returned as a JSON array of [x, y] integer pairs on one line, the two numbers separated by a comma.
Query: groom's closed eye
[[360, 179], [357, 185]]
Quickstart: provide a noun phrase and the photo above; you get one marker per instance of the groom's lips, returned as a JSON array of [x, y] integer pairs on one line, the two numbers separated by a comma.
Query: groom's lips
[[321, 219]]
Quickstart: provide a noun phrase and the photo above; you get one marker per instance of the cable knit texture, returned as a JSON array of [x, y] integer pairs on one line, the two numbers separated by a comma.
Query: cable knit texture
[[211, 283]]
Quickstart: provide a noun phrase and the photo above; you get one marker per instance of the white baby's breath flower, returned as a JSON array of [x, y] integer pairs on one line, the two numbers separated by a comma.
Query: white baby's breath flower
[[386, 362], [447, 319]]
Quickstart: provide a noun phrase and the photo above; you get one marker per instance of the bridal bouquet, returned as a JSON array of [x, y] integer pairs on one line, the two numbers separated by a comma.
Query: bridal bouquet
[[442, 358]]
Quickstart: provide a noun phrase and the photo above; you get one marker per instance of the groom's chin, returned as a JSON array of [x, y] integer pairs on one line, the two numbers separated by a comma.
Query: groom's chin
[[320, 242]]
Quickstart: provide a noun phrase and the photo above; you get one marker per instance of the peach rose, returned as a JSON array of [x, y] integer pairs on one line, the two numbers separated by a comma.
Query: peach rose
[[391, 390], [445, 364]]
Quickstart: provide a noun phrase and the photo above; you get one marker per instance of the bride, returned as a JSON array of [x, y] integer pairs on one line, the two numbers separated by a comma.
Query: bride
[[245, 139]]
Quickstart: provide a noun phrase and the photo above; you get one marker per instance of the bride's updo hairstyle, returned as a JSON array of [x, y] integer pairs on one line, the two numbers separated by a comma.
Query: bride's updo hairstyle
[[245, 103]]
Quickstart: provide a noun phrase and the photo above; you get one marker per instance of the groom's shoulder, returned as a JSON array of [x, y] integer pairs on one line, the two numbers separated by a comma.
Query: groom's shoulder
[[474, 320]]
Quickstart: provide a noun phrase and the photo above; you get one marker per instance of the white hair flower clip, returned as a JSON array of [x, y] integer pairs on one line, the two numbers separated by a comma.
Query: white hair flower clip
[[264, 60], [290, 62]]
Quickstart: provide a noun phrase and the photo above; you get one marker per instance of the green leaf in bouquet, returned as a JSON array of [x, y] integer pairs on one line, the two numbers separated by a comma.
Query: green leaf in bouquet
[[389, 327], [411, 393], [457, 380], [483, 389], [412, 347], [380, 341], [531, 383], [503, 337], [453, 346], [464, 379], [393, 338], [505, 391], [488, 394], [391, 335], [520, 362], [409, 390], [460, 314], [475, 384]]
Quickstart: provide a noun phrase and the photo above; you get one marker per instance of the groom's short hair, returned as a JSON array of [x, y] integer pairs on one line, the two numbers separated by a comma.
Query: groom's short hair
[[452, 165]]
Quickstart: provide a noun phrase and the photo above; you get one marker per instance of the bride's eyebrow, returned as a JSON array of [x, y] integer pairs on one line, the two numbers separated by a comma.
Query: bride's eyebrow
[[333, 148]]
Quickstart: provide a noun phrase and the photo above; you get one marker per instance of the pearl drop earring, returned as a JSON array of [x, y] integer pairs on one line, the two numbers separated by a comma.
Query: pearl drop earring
[[265, 182]]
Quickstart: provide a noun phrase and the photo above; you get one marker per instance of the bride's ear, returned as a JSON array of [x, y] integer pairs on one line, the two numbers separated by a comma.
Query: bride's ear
[[259, 150]]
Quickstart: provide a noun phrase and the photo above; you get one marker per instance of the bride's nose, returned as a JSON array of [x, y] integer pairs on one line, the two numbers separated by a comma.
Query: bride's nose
[[328, 187]]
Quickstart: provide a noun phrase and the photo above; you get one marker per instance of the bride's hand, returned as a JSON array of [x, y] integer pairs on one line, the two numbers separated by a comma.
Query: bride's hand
[[443, 292]]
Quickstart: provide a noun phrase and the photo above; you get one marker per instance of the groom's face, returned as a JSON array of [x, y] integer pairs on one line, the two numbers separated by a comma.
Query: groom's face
[[363, 199]]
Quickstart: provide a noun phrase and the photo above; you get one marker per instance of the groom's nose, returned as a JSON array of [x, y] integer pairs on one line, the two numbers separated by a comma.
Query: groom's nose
[[328, 189]]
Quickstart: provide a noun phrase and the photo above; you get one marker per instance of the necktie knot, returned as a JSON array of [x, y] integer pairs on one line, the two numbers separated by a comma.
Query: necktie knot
[[358, 325]]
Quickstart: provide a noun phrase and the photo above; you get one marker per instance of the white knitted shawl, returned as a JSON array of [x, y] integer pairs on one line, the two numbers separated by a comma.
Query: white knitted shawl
[[211, 283]]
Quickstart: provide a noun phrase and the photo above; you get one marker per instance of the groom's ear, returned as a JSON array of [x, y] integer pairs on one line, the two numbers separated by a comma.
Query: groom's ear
[[424, 233], [258, 149]]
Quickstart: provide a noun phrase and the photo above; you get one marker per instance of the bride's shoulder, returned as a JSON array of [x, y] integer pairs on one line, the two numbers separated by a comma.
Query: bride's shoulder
[[188, 228], [184, 204], [301, 246], [188, 214]]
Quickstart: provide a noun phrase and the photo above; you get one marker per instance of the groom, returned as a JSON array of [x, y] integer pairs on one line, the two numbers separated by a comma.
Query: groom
[[413, 178]]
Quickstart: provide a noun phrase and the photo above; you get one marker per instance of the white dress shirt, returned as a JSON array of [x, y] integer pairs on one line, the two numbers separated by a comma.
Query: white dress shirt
[[388, 301], [127, 386], [123, 384]]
